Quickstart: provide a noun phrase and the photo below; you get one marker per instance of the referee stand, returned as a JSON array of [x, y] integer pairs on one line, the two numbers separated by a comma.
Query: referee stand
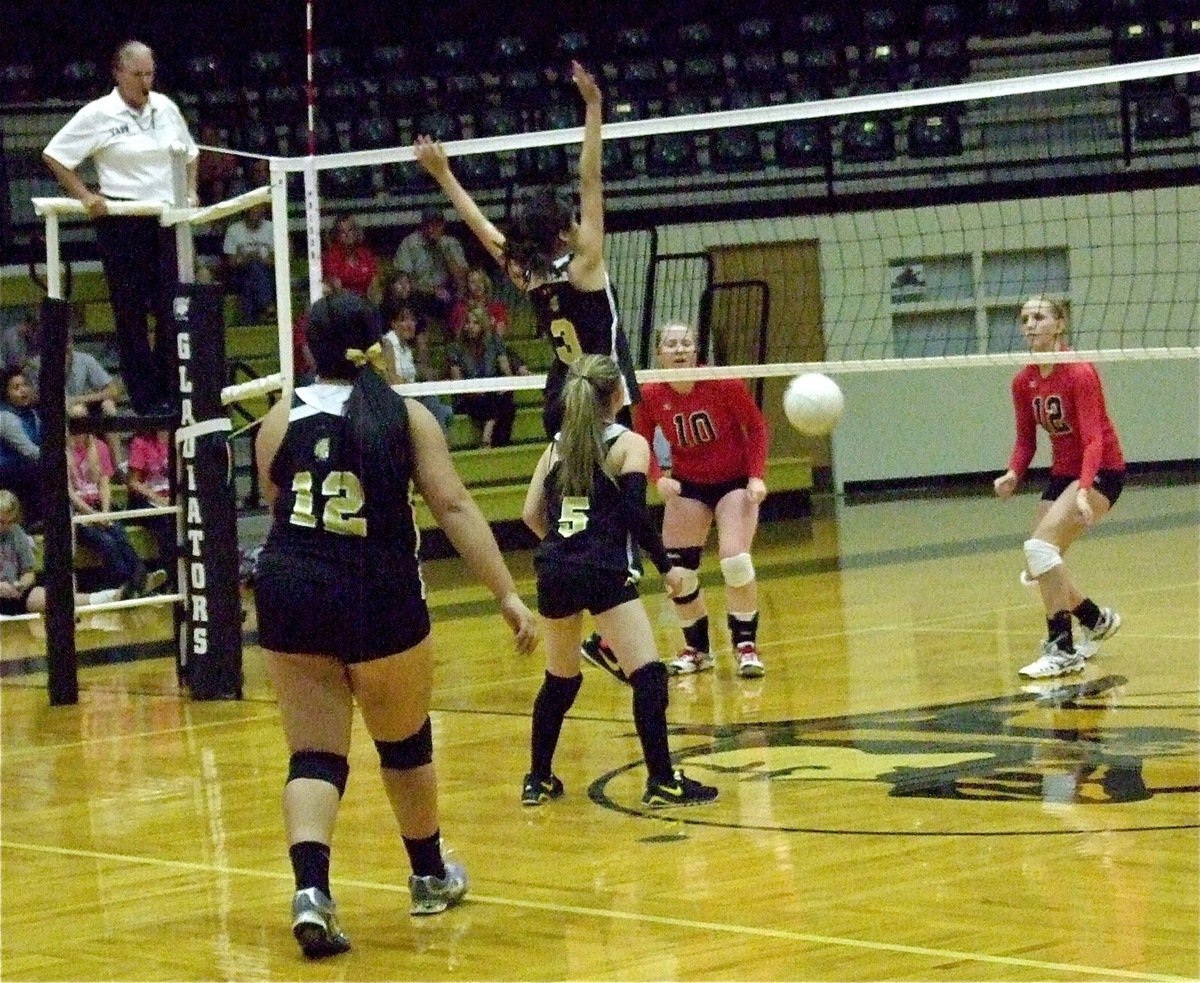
[[207, 604]]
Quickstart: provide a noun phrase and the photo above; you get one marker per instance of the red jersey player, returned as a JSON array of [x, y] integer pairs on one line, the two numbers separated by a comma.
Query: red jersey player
[[718, 442], [1087, 472]]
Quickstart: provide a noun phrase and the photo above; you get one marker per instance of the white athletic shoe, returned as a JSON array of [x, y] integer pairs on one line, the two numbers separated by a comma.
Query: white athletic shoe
[[1054, 661], [749, 665], [1108, 625], [689, 661]]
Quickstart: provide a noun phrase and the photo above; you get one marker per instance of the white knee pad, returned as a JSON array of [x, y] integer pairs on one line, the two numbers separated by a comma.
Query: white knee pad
[[738, 570], [691, 583], [1041, 557]]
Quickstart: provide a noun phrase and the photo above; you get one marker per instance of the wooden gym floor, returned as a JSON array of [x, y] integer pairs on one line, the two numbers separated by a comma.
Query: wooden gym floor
[[896, 802]]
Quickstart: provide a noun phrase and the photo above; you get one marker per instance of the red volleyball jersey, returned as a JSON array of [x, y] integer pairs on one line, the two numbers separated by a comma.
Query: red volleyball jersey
[[715, 431], [1069, 405]]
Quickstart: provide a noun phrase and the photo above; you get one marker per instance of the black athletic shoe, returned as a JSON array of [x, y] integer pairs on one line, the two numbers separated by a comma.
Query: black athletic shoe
[[679, 791], [535, 791], [601, 656]]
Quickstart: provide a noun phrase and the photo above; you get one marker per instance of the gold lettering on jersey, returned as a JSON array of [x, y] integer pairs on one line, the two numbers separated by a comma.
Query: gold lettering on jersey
[[566, 340], [344, 499]]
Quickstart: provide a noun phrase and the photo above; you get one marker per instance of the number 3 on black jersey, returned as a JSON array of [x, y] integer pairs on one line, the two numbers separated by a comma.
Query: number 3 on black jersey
[[343, 496], [566, 340]]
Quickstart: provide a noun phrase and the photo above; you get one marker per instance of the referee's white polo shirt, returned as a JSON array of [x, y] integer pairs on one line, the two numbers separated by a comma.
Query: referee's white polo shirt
[[131, 149]]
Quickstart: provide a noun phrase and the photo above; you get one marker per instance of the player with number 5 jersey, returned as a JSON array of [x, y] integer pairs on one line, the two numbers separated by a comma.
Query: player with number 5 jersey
[[587, 504]]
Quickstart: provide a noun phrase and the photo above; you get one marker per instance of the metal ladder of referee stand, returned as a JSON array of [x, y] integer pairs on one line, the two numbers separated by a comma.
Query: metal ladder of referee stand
[[58, 565]]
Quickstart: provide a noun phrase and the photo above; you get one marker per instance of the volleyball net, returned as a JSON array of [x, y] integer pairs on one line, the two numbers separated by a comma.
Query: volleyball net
[[896, 281]]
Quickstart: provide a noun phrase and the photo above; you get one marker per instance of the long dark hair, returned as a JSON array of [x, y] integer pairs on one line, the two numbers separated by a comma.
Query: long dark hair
[[531, 240], [376, 417]]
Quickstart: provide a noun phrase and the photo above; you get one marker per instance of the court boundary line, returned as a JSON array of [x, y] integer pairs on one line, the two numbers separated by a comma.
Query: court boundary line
[[667, 921]]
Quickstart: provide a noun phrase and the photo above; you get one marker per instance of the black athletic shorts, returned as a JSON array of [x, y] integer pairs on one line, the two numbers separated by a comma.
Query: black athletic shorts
[[564, 589], [710, 494], [1108, 483], [314, 608]]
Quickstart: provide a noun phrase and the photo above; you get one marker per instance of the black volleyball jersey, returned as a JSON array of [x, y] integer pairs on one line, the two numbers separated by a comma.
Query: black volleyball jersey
[[334, 508], [590, 530], [580, 322]]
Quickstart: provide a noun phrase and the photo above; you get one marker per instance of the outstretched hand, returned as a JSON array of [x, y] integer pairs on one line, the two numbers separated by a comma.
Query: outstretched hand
[[431, 155], [585, 82], [521, 621]]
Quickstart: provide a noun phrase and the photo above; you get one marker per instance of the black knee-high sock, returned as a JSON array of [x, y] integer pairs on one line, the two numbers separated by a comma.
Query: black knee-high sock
[[696, 634], [553, 701], [742, 631], [1058, 625], [650, 718], [1087, 612], [425, 855], [310, 864]]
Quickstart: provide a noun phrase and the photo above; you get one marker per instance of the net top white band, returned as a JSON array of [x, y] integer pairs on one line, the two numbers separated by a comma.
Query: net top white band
[[848, 105]]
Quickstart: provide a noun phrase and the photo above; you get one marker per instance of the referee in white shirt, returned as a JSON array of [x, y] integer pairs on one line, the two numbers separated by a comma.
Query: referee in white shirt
[[128, 134]]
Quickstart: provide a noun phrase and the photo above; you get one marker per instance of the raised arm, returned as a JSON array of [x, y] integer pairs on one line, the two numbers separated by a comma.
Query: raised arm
[[589, 243], [432, 157]]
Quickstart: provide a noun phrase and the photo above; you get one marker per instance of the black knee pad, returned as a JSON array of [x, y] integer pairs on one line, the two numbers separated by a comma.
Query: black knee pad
[[687, 557], [558, 693], [321, 766], [412, 752], [649, 684]]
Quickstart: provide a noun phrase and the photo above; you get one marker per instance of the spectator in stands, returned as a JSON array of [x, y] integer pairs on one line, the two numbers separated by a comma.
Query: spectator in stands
[[217, 175], [89, 481], [407, 347], [478, 293], [435, 261], [249, 250], [19, 341], [127, 134], [91, 390], [399, 287], [18, 573], [20, 442], [18, 595], [149, 486], [348, 262], [479, 354]]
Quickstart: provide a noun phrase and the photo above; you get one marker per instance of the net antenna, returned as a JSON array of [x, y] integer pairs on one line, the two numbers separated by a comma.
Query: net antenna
[[312, 202]]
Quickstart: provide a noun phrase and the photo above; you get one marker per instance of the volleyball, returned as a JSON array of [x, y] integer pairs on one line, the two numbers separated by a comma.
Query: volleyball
[[813, 404]]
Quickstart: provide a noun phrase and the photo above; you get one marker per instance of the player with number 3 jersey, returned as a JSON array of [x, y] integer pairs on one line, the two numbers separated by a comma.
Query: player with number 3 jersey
[[555, 257]]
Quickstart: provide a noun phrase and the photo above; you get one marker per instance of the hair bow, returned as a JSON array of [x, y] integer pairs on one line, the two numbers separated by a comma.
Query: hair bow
[[373, 356]]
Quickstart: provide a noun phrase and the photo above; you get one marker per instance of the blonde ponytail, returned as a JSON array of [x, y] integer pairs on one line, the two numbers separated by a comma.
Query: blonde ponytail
[[587, 400]]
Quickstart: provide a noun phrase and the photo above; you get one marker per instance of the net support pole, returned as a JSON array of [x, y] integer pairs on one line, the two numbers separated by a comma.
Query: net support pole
[[185, 250], [58, 574], [53, 258], [312, 223], [283, 266], [211, 651]]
